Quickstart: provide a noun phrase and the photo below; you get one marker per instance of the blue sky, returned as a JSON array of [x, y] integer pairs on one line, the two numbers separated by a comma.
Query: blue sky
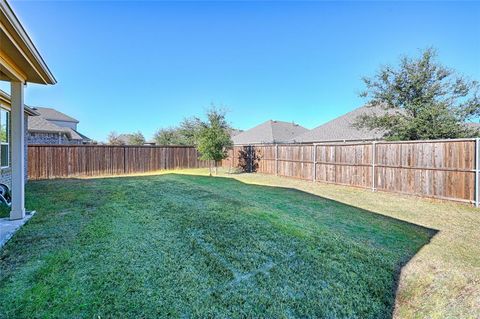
[[128, 66]]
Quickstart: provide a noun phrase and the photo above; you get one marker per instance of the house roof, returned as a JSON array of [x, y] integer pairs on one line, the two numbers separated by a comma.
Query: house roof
[[23, 59], [269, 132], [233, 132], [40, 117], [54, 115], [84, 138], [342, 129], [41, 125]]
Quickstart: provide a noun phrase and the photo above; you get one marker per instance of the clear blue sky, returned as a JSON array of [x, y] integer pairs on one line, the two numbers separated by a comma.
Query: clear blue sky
[[129, 66]]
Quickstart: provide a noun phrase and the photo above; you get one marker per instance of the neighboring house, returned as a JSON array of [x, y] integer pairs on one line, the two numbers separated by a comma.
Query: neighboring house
[[20, 63], [342, 129], [269, 132], [54, 127]]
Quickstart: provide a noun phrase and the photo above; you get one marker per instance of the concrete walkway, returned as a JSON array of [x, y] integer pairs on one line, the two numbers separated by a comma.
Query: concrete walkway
[[9, 227]]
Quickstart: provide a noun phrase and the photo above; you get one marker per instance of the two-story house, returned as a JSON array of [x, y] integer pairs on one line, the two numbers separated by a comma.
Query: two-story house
[[54, 127]]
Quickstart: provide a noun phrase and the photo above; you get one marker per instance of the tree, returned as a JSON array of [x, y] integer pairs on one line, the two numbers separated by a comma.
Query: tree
[[184, 134], [213, 138], [136, 138], [189, 129], [422, 99], [113, 139], [169, 136]]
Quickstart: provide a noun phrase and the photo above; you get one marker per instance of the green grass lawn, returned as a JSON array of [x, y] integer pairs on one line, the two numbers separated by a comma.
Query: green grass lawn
[[193, 246]]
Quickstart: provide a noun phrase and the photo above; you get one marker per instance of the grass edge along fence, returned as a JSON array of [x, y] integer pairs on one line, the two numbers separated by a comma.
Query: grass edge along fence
[[64, 161], [443, 169]]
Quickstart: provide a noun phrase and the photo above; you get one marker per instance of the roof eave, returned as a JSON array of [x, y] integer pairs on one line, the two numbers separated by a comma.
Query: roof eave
[[69, 121], [31, 112], [5, 99], [39, 73]]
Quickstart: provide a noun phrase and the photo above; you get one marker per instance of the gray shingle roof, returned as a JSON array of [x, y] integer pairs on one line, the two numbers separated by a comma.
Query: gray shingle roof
[[269, 132], [83, 137], [233, 131], [54, 115], [342, 128], [40, 117], [39, 124]]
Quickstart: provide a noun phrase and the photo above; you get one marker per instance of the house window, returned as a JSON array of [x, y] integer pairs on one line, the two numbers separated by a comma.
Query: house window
[[4, 138]]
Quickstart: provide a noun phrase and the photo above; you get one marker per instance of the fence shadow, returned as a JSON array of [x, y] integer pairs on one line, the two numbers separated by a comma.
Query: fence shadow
[[318, 232]]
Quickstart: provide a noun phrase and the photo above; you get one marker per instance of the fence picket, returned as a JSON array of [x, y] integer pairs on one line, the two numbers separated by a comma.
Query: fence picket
[[63, 161], [444, 169]]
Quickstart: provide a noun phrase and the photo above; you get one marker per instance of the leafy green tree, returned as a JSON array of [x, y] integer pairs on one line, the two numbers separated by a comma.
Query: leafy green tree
[[136, 138], [422, 99], [213, 138], [169, 136], [189, 129]]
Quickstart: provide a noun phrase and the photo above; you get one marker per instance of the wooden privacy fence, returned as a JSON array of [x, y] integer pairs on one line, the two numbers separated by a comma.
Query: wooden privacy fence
[[61, 161], [444, 169]]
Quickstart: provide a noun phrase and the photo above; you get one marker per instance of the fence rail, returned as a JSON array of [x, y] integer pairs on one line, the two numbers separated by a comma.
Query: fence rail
[[446, 169], [62, 161]]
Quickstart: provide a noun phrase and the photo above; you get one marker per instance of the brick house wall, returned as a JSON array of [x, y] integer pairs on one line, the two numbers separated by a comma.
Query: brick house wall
[[50, 139], [46, 138]]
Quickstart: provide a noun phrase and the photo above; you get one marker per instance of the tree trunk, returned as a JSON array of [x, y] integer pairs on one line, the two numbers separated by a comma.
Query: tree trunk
[[210, 169], [216, 170]]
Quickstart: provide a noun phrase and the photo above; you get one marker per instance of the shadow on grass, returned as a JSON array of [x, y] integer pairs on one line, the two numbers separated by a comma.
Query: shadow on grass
[[266, 251], [429, 232]]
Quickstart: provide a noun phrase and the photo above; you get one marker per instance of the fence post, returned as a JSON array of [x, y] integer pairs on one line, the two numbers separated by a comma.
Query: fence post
[[276, 159], [250, 164], [314, 163], [165, 158], [477, 170], [335, 161], [124, 160], [373, 165]]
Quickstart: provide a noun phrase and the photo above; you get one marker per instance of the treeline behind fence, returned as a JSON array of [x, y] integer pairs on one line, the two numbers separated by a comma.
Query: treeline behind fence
[[444, 169], [62, 161]]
